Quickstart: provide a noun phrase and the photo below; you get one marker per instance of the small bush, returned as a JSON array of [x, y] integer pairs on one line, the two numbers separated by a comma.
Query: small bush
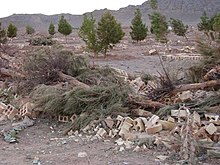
[[41, 41]]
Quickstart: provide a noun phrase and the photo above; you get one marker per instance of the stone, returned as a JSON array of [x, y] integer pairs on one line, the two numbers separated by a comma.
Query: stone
[[137, 149], [179, 113], [121, 149], [185, 96], [82, 155], [119, 141]]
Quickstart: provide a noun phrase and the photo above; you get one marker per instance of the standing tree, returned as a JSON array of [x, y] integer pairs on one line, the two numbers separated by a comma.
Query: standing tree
[[109, 31], [88, 33], [51, 29], [12, 31], [30, 30], [139, 29], [3, 36], [159, 26], [64, 27], [178, 27], [154, 4], [216, 23]]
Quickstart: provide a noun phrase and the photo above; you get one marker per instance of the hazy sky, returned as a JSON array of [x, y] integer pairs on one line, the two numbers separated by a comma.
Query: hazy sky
[[49, 7]]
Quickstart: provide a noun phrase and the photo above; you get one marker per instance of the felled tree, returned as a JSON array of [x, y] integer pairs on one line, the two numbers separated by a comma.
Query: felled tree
[[139, 29], [178, 27], [109, 31], [51, 29], [88, 33], [3, 37], [64, 27], [30, 30], [159, 26]]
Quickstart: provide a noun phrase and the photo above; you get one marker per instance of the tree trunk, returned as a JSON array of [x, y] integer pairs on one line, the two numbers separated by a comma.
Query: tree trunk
[[202, 85], [72, 80]]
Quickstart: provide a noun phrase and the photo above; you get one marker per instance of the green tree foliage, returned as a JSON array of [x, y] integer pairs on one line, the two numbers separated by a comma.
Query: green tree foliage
[[51, 29], [109, 31], [30, 30], [139, 29], [12, 31], [178, 27], [64, 27], [216, 23], [3, 37], [88, 33], [154, 4], [159, 26], [205, 23]]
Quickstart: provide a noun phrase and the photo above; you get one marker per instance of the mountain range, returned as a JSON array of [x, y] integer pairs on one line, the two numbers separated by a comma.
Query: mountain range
[[189, 11]]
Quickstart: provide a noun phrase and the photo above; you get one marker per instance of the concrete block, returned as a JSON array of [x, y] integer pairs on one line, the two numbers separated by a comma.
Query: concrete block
[[10, 111], [109, 122], [153, 120], [138, 125], [63, 119], [154, 129], [211, 129], [167, 125], [73, 117], [101, 132], [2, 107]]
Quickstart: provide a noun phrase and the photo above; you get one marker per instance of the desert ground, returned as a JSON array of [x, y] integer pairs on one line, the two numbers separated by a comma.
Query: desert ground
[[44, 144]]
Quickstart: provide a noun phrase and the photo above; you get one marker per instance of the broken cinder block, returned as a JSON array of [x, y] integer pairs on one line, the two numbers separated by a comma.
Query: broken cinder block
[[101, 132], [179, 113], [153, 120], [109, 122], [2, 107]]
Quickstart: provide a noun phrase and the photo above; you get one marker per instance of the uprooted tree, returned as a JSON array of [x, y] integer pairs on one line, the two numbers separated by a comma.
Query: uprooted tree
[[139, 29], [109, 31], [88, 33]]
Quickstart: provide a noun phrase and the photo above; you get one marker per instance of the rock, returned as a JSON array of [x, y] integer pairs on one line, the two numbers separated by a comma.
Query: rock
[[185, 96], [137, 149], [121, 149], [119, 141], [179, 113], [82, 155]]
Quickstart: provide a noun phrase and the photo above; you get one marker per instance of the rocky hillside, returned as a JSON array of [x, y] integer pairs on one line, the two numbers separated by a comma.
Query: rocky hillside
[[187, 10]]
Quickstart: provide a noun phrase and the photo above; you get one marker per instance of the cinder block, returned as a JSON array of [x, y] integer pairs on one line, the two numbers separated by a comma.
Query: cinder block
[[138, 125], [153, 120], [2, 107], [154, 129], [63, 119], [10, 111], [109, 122], [73, 117], [101, 132]]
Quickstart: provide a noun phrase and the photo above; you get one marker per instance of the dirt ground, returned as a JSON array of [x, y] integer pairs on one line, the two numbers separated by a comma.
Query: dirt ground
[[39, 141]]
